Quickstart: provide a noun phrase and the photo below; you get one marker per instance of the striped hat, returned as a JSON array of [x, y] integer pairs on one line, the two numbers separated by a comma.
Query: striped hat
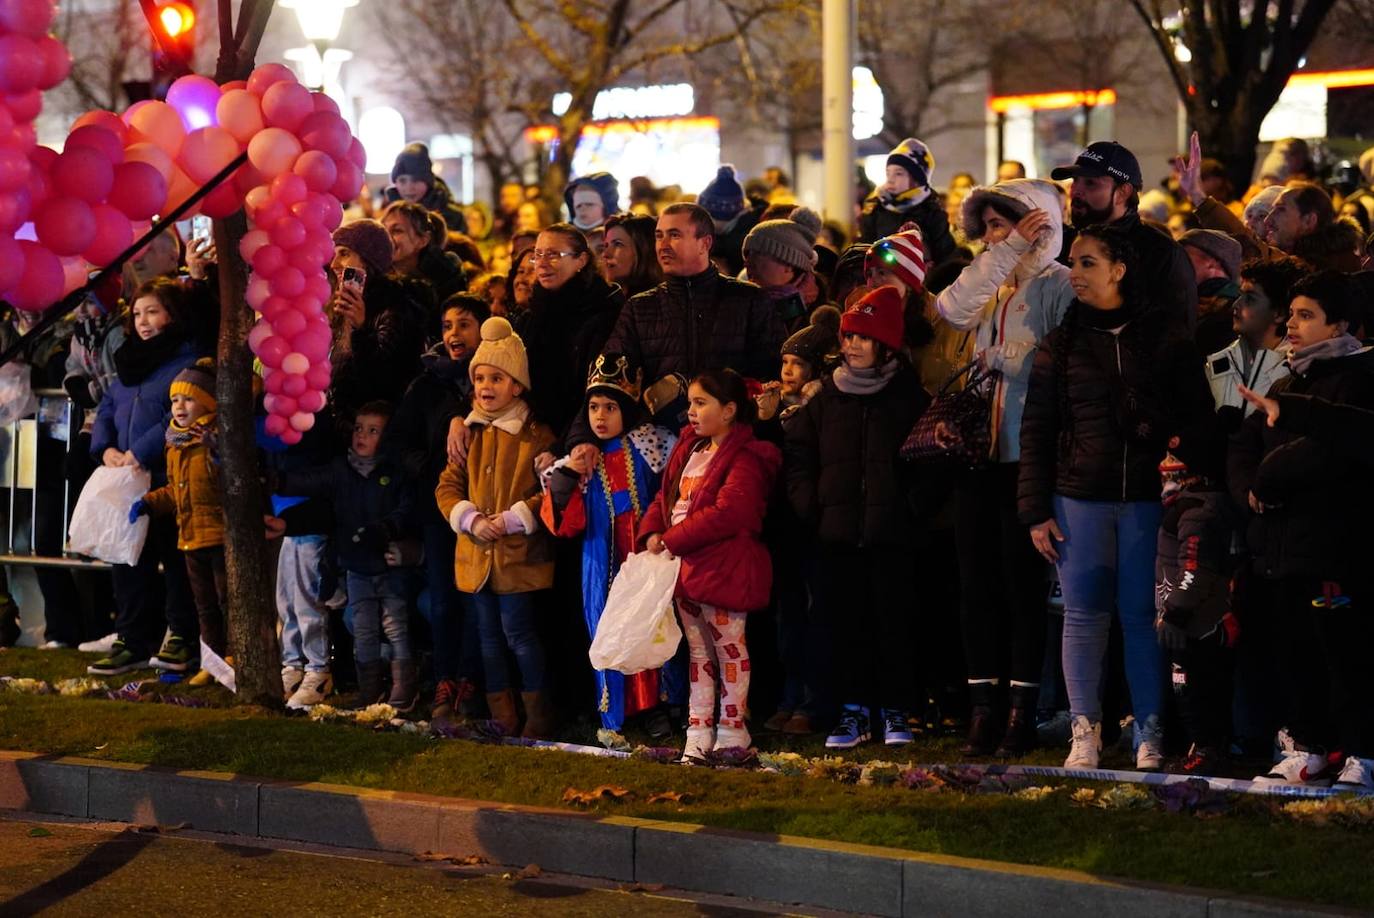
[[197, 381], [904, 254]]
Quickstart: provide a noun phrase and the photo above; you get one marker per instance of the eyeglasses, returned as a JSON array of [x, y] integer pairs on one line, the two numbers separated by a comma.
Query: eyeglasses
[[551, 256]]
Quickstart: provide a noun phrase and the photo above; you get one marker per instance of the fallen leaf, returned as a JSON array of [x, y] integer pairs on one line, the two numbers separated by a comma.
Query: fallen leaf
[[671, 797], [641, 887], [39, 832], [584, 798], [458, 860], [529, 872], [161, 829]]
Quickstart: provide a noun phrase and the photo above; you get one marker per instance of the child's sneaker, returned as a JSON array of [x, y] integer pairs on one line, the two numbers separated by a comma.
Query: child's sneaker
[[99, 645], [120, 660], [1149, 751], [851, 730], [313, 690], [291, 677], [1296, 764], [733, 738], [1356, 775], [1086, 747], [175, 655], [896, 728], [444, 695], [700, 740]]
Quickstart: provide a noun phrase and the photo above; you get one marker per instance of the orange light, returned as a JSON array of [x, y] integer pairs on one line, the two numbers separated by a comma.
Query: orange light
[[1334, 79], [1048, 100], [177, 19]]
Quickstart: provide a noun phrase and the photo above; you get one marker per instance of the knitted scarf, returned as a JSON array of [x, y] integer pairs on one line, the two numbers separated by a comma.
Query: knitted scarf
[[1301, 359], [202, 430], [901, 203], [511, 419], [866, 381], [363, 465]]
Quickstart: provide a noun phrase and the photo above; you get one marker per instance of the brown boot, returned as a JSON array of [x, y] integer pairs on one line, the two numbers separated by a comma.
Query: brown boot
[[538, 717], [404, 690], [502, 705]]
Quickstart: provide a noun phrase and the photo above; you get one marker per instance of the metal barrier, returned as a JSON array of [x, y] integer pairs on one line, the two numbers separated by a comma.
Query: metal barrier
[[20, 471]]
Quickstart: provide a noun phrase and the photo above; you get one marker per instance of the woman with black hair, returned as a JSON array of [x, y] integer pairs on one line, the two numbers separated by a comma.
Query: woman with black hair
[[1108, 391], [629, 259]]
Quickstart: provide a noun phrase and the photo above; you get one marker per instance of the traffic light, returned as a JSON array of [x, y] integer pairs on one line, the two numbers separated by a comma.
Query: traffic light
[[173, 24]]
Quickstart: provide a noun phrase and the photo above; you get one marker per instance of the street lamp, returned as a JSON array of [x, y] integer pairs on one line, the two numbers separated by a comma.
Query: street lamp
[[320, 20]]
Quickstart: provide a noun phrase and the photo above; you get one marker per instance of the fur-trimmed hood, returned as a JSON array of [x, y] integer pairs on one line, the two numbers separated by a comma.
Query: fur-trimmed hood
[[1021, 196]]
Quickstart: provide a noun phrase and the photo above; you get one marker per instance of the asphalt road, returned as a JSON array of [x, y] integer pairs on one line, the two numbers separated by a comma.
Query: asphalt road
[[78, 869]]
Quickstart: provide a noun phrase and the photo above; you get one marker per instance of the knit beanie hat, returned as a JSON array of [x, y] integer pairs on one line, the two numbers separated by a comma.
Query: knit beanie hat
[[603, 183], [877, 315], [915, 157], [613, 375], [198, 382], [723, 197], [414, 161], [502, 348], [1218, 245], [817, 341], [904, 254], [370, 240], [791, 241]]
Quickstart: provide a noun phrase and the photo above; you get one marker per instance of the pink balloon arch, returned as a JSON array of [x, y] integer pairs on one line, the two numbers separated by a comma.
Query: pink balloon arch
[[65, 214]]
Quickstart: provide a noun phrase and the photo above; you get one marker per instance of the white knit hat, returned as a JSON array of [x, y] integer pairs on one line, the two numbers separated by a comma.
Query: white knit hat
[[502, 348]]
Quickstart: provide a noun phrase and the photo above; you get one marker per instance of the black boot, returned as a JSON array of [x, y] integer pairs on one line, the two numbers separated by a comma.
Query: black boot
[[1020, 737], [370, 683], [983, 723]]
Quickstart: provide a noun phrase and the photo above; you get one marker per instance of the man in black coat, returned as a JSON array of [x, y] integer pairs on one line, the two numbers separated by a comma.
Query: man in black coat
[[1106, 189]]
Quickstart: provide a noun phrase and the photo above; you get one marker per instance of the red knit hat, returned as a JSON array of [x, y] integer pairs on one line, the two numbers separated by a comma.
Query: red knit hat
[[878, 315], [904, 254]]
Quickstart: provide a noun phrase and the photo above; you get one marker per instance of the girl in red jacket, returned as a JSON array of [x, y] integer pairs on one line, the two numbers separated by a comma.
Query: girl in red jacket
[[709, 513]]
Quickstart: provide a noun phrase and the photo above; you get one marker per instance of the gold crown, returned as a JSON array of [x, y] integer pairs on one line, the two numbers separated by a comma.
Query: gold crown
[[612, 371]]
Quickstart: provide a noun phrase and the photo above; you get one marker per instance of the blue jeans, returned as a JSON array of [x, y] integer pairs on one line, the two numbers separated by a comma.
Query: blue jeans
[[1106, 565], [378, 603], [506, 620], [452, 624], [303, 576]]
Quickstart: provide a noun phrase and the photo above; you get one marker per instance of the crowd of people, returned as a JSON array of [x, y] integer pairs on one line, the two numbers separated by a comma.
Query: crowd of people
[[1027, 460]]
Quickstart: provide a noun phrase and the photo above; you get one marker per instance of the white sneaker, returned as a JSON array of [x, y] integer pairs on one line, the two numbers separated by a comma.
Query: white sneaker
[[53, 645], [700, 740], [103, 645], [1357, 775], [313, 690], [732, 738], [291, 677], [1086, 747], [1294, 763], [1149, 750]]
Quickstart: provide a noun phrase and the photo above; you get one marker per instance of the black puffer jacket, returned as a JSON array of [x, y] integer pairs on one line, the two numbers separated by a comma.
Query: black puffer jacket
[[1125, 392], [1319, 526], [877, 221], [689, 324], [844, 478], [417, 435], [1169, 279], [564, 330], [369, 512]]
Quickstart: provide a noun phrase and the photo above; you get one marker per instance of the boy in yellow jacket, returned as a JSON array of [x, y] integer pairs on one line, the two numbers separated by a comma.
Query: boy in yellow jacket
[[492, 503]]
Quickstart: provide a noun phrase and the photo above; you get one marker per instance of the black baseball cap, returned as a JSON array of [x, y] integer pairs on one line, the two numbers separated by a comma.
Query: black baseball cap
[[1106, 157]]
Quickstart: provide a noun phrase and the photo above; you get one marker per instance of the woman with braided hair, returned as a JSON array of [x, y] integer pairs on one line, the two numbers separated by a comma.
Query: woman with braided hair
[[1109, 389]]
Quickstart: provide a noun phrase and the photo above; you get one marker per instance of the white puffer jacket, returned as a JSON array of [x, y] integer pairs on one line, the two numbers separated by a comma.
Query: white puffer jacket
[[1014, 294]]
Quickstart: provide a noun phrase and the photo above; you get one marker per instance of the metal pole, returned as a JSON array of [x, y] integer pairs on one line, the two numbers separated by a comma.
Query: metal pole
[[837, 125]]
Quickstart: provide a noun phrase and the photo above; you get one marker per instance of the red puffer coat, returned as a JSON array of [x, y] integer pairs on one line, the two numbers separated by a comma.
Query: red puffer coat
[[723, 562]]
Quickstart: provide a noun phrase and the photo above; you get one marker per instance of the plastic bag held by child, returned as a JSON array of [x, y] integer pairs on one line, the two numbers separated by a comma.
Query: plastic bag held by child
[[100, 524], [638, 629]]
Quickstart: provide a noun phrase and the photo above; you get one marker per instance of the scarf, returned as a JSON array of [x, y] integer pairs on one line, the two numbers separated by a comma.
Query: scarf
[[866, 381], [202, 430], [511, 419], [136, 359], [1300, 360], [363, 465], [907, 200]]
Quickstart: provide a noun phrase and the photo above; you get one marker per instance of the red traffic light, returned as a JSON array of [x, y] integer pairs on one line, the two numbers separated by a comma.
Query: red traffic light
[[176, 19]]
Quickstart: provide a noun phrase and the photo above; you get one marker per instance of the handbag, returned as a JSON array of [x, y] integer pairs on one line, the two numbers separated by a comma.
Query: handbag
[[966, 415]]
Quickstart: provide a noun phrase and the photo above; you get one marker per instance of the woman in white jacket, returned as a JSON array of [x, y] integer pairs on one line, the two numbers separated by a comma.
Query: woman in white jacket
[[1011, 296]]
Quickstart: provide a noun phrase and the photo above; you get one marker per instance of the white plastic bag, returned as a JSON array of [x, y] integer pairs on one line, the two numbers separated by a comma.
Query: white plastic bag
[[638, 629], [100, 524]]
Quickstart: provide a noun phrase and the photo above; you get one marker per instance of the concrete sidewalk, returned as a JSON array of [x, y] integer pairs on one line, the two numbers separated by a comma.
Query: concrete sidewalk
[[786, 869]]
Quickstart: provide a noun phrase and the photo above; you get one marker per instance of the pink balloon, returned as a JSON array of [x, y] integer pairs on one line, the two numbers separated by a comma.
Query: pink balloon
[[288, 188], [179, 189], [14, 168], [251, 242], [73, 274], [317, 287], [313, 345], [240, 114], [27, 17], [159, 124], [222, 202], [272, 381], [144, 152], [234, 84], [290, 436], [6, 120], [21, 64], [288, 232], [247, 178], [275, 425], [311, 400], [113, 235], [272, 351], [259, 333], [259, 289], [335, 216], [65, 225], [268, 260], [274, 307], [293, 385], [107, 120], [101, 139], [11, 261], [273, 151], [14, 211], [288, 282], [283, 405], [289, 324], [317, 170], [301, 420], [318, 376], [41, 284], [356, 154], [83, 173], [138, 191], [323, 103], [206, 151], [305, 261], [25, 106], [349, 182], [294, 363], [286, 104], [195, 99], [24, 136], [327, 133], [263, 77], [56, 62]]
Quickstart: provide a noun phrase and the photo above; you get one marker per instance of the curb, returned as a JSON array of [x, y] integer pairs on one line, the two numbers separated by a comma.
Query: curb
[[788, 869]]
